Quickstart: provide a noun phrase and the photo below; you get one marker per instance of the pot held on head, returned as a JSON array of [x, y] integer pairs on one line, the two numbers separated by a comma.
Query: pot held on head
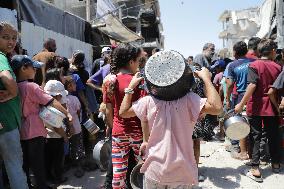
[[168, 77]]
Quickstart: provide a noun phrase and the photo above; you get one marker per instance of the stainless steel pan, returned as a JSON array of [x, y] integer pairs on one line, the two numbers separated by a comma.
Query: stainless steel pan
[[236, 126], [102, 153], [136, 178]]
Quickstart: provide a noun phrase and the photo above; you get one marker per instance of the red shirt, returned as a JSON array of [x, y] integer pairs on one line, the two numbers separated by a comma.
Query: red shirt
[[263, 73], [124, 125]]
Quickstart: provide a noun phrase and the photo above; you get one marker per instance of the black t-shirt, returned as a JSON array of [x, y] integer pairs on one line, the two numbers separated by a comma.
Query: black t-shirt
[[252, 76], [279, 82]]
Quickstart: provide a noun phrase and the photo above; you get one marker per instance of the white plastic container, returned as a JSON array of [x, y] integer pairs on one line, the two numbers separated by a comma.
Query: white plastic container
[[91, 126], [52, 116]]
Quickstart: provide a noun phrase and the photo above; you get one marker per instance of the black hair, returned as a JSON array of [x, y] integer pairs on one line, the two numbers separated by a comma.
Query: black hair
[[62, 62], [52, 74], [121, 56], [227, 61], [253, 42], [190, 57], [266, 46], [156, 50], [79, 58], [240, 48], [47, 42], [17, 70], [207, 46], [68, 81]]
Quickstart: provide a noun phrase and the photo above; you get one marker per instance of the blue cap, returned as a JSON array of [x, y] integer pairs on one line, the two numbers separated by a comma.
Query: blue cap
[[219, 63], [23, 60]]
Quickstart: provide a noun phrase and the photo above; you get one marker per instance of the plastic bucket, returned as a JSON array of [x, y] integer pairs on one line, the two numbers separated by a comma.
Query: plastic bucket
[[52, 116]]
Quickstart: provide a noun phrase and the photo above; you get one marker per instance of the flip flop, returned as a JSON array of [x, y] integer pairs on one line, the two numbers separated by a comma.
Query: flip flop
[[248, 174]]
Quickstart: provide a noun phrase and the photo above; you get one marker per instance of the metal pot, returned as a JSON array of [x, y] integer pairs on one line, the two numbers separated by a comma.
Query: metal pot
[[102, 153], [168, 77], [136, 178], [236, 127]]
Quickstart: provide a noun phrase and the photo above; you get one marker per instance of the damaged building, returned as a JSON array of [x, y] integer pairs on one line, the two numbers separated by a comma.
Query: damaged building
[[264, 21]]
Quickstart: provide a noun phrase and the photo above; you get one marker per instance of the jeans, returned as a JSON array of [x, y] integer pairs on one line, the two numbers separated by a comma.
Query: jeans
[[11, 152], [271, 126]]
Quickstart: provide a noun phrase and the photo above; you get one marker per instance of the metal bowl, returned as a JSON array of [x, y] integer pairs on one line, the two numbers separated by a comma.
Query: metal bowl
[[236, 127], [168, 77], [102, 153], [136, 178]]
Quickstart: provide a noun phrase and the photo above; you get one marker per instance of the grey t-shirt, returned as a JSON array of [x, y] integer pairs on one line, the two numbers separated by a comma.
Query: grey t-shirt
[[201, 60]]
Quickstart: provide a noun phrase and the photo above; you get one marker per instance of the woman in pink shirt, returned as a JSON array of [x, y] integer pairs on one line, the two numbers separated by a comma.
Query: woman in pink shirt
[[170, 161]]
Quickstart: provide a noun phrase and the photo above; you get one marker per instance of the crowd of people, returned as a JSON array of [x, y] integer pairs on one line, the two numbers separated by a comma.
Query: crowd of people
[[165, 134]]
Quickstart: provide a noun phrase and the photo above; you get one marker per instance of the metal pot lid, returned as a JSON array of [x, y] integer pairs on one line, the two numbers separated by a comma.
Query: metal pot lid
[[164, 68]]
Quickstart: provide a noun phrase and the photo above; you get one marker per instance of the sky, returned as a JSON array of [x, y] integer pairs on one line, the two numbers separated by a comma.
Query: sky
[[189, 24]]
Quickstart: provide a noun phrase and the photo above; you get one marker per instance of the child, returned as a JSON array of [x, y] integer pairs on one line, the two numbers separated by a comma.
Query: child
[[10, 116], [33, 132], [170, 161], [76, 143], [56, 136], [261, 75], [126, 133]]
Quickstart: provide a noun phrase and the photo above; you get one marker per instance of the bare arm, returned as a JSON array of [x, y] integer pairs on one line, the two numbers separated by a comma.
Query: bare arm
[[93, 86], [213, 104], [57, 105], [126, 110], [145, 130], [10, 86], [109, 118], [229, 87], [109, 115], [272, 94], [221, 91]]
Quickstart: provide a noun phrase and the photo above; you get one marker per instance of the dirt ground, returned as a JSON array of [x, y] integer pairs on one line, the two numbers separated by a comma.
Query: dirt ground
[[220, 170]]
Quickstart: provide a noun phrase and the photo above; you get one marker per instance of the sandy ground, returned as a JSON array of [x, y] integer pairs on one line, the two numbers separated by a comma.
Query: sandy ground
[[220, 170]]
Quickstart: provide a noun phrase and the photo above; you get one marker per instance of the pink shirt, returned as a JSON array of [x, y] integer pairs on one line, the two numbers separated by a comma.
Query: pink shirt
[[32, 97], [169, 155], [73, 105]]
